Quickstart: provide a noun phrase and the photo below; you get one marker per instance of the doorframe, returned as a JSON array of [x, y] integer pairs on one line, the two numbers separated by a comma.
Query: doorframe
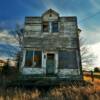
[[47, 69], [55, 59]]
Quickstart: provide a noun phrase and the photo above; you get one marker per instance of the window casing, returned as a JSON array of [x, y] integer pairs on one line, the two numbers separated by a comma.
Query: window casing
[[37, 58], [33, 59], [54, 26], [29, 58], [50, 26], [45, 27]]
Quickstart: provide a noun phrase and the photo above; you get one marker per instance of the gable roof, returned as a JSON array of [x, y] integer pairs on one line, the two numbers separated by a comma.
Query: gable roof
[[50, 11]]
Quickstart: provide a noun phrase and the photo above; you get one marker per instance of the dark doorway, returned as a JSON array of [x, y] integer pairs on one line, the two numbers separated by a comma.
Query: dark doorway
[[50, 64]]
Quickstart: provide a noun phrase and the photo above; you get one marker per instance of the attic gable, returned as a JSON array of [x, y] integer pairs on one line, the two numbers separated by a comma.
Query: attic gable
[[50, 15], [50, 11]]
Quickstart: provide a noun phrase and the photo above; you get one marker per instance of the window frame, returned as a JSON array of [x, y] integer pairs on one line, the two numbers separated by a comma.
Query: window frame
[[33, 62], [47, 26], [26, 58], [68, 65], [50, 26], [53, 27]]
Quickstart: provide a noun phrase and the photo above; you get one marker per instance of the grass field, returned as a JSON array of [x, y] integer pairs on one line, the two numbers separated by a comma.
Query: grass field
[[96, 82], [57, 93], [74, 92]]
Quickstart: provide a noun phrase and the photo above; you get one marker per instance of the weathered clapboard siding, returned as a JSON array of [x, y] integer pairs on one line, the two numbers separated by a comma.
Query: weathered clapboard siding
[[34, 27], [50, 42], [31, 20], [64, 41], [32, 71], [46, 17], [64, 72]]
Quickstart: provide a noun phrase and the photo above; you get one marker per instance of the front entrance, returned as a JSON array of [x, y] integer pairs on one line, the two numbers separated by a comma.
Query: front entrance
[[50, 64]]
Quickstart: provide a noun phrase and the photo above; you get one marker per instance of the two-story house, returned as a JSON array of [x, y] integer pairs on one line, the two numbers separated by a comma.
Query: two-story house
[[51, 46]]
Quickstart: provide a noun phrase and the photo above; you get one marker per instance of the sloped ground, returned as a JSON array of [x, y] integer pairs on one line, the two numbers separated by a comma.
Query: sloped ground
[[96, 82], [63, 92], [56, 93]]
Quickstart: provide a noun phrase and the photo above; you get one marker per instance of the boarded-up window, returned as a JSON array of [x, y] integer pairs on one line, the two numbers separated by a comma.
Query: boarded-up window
[[45, 27], [54, 26], [67, 59], [29, 58], [33, 58]]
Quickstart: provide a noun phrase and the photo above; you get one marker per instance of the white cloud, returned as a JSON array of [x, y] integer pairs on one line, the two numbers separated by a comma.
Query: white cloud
[[5, 37], [95, 48]]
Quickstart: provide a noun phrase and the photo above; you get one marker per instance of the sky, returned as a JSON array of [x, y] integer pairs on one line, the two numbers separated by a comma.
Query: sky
[[13, 12]]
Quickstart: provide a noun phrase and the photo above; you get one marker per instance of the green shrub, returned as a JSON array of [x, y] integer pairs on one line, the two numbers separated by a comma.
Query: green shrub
[[96, 69], [6, 69]]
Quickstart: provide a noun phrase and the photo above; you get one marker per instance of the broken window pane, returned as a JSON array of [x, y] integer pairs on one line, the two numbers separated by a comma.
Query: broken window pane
[[33, 58], [29, 58], [37, 58], [45, 27]]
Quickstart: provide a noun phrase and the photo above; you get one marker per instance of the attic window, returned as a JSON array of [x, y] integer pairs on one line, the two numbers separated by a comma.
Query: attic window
[[50, 15], [54, 26], [45, 26]]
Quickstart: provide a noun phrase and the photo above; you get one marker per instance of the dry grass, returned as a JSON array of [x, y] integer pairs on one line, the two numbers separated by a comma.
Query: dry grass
[[89, 92], [96, 82], [57, 93]]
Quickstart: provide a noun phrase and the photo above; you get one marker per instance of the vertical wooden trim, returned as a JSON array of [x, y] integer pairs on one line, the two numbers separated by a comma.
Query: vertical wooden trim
[[43, 62], [24, 56], [50, 26], [23, 61], [78, 61], [56, 62], [33, 58], [79, 53]]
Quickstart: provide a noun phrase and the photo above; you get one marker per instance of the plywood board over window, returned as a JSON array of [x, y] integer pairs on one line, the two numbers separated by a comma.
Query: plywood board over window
[[67, 59]]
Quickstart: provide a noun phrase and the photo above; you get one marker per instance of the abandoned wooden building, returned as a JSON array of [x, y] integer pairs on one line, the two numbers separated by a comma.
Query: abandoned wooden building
[[51, 46]]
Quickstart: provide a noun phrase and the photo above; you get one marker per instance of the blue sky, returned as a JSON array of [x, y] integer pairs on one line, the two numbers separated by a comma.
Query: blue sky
[[87, 12], [14, 11]]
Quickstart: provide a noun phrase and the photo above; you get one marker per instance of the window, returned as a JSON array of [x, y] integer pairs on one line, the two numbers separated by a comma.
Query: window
[[37, 58], [50, 26], [54, 26], [67, 59], [33, 58], [29, 58], [45, 27]]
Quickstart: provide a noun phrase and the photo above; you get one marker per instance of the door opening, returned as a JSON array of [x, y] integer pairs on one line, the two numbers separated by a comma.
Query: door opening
[[50, 64]]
